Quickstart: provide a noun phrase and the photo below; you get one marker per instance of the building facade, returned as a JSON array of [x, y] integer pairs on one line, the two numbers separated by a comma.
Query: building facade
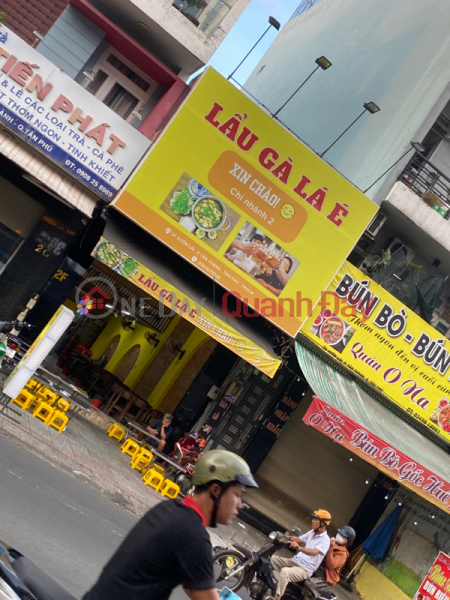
[[182, 34], [393, 54], [302, 7], [378, 53], [124, 59]]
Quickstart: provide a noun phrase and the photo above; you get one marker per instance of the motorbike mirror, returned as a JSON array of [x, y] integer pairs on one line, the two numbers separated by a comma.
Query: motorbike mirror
[[273, 535], [296, 531]]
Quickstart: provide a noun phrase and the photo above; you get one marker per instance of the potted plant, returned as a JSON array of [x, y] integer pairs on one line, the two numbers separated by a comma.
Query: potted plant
[[379, 262]]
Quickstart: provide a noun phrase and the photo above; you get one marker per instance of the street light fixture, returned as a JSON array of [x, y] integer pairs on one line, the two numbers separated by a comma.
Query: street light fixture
[[369, 107], [322, 63], [414, 146], [272, 23]]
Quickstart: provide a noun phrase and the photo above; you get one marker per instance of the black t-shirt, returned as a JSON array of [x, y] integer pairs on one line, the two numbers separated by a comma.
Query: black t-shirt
[[168, 547], [271, 279], [158, 426]]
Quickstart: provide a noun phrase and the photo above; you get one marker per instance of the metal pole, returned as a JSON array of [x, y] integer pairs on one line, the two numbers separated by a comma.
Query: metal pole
[[387, 170], [343, 133], [299, 88], [360, 562], [249, 52]]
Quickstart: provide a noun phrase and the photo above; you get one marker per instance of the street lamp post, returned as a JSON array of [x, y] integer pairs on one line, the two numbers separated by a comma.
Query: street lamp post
[[370, 107], [322, 63], [272, 23]]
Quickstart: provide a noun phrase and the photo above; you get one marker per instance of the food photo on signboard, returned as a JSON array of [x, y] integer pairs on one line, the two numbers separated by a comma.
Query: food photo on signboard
[[332, 330], [267, 262], [199, 211]]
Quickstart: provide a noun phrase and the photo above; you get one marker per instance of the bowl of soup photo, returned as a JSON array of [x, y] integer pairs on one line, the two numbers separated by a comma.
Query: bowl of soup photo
[[332, 330], [209, 213]]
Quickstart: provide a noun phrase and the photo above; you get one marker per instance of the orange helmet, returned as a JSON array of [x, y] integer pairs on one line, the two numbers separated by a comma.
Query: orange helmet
[[323, 515]]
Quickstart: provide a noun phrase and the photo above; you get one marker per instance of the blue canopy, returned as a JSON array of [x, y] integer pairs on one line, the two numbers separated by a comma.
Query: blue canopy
[[377, 542]]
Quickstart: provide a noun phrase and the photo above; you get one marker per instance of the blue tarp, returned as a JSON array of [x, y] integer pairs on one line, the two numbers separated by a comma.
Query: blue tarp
[[377, 542]]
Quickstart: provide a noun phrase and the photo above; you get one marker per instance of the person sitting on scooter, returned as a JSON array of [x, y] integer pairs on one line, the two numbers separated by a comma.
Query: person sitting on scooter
[[312, 547], [161, 429], [170, 545], [327, 575]]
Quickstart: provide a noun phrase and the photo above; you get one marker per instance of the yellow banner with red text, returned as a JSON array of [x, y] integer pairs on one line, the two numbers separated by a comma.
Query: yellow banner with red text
[[186, 307], [380, 339]]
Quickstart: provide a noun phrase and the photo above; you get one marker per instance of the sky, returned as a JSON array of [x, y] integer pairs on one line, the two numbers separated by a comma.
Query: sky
[[249, 27]]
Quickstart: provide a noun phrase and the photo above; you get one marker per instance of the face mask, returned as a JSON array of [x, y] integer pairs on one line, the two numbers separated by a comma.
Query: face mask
[[341, 540]]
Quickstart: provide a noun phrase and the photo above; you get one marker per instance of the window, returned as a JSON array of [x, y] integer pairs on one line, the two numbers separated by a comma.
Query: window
[[119, 84], [9, 242]]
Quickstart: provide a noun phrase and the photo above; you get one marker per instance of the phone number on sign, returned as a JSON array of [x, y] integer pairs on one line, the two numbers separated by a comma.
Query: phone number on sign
[[93, 182]]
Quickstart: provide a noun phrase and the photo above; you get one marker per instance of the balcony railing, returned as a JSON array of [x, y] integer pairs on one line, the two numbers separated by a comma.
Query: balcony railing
[[429, 183], [207, 15]]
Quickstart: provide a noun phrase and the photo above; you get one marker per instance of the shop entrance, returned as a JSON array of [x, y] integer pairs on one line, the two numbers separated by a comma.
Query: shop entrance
[[372, 506], [246, 413]]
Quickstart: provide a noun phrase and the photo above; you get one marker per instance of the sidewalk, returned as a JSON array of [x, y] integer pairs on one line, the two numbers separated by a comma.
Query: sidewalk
[[86, 451]]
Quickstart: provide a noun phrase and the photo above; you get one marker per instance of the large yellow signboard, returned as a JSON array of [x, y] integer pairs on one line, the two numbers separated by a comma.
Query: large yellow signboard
[[376, 336], [234, 193]]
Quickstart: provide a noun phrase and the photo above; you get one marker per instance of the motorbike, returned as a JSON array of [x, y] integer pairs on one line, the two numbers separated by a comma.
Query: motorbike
[[239, 567], [186, 452], [11, 346], [21, 579], [294, 592]]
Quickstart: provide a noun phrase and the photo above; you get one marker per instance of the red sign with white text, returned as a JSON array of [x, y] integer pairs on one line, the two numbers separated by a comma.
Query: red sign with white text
[[375, 451], [436, 585]]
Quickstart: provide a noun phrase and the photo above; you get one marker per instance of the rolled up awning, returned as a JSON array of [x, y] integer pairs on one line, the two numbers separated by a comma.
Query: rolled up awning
[[155, 274], [42, 173], [351, 417]]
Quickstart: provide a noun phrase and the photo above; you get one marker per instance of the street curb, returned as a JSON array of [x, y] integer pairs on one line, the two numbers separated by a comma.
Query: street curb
[[133, 503]]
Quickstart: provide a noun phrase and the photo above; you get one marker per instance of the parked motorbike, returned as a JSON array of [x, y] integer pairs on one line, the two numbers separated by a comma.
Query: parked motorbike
[[21, 579], [11, 346], [239, 567], [186, 452]]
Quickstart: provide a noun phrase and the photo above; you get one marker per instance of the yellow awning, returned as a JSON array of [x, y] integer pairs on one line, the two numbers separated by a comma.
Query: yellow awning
[[122, 253]]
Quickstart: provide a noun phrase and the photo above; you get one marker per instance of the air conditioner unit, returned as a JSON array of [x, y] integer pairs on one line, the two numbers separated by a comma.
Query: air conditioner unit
[[375, 225], [397, 243]]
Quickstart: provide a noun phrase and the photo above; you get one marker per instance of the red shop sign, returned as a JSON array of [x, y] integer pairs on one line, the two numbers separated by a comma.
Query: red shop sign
[[436, 585], [374, 450]]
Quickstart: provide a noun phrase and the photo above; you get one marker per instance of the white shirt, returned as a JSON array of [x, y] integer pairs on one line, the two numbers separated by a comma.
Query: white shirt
[[311, 541]]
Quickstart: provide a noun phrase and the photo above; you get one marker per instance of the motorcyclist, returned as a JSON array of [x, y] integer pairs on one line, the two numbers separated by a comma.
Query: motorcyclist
[[170, 546], [311, 547], [327, 575]]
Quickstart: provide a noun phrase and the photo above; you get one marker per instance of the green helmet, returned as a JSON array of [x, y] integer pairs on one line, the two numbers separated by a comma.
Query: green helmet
[[223, 466]]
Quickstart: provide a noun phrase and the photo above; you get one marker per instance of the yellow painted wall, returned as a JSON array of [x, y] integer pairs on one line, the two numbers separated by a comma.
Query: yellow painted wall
[[148, 353], [373, 585], [128, 339], [192, 344]]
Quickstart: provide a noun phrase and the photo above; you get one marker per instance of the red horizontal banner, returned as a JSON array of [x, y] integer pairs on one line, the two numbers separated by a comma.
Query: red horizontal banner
[[375, 451]]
